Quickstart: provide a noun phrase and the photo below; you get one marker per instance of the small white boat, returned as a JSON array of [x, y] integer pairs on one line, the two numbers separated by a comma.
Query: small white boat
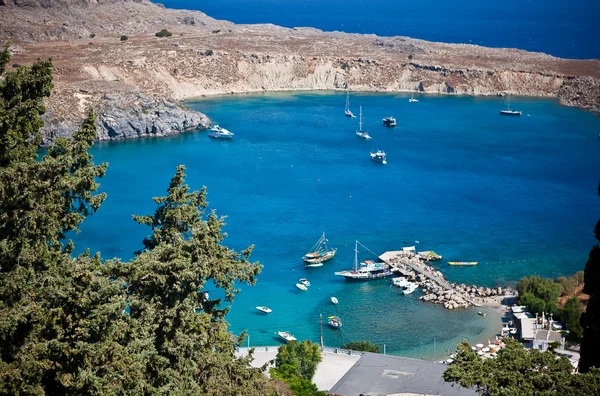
[[301, 287], [334, 300], [379, 156], [217, 132], [412, 99], [286, 335], [264, 309], [334, 322], [360, 133], [305, 282], [410, 288], [481, 313], [400, 282], [508, 111]]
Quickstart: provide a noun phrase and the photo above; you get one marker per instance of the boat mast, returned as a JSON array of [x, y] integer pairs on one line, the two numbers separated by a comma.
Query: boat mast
[[347, 100], [321, 329], [356, 257], [360, 130]]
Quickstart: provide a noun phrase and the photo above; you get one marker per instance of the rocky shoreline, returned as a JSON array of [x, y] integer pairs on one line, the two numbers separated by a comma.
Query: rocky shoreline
[[107, 56]]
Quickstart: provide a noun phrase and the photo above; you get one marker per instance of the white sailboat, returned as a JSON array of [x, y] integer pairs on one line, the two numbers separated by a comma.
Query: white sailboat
[[360, 133], [412, 98], [367, 270], [508, 111], [347, 109]]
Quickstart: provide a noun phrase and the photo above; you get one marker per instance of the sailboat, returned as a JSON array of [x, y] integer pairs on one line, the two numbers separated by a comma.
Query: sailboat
[[347, 109], [360, 133], [412, 98], [508, 111], [319, 253], [366, 270]]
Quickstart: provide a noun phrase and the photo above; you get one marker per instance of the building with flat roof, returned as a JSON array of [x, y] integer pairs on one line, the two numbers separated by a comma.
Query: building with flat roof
[[384, 375]]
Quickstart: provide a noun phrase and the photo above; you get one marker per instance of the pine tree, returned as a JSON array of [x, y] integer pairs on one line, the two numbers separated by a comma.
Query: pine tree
[[590, 319]]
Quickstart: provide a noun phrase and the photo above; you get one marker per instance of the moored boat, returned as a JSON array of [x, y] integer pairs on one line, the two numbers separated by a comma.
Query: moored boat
[[264, 309], [319, 253], [508, 111], [366, 270], [334, 300], [379, 156], [286, 336], [389, 122], [217, 132], [347, 109], [304, 281], [412, 99], [334, 321], [301, 287], [360, 133], [463, 262], [410, 288]]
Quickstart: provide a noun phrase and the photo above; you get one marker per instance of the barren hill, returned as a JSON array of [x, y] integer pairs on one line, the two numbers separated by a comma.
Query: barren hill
[[137, 83]]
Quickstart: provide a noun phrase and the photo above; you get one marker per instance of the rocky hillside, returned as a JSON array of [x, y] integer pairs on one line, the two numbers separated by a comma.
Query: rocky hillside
[[138, 82]]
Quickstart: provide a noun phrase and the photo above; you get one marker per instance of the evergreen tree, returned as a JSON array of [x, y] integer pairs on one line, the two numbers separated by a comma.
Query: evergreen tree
[[590, 319], [188, 346]]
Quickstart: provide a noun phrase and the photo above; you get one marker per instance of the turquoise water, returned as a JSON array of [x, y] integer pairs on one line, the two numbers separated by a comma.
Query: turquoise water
[[517, 194]]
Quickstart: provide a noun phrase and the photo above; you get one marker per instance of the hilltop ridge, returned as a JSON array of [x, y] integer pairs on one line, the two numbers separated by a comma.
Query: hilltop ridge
[[138, 83]]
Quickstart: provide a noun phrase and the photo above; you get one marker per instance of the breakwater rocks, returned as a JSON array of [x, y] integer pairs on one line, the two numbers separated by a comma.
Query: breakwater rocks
[[129, 117], [460, 296]]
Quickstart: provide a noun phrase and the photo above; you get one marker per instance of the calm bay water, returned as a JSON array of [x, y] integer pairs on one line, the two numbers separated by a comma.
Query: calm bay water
[[564, 29], [516, 194]]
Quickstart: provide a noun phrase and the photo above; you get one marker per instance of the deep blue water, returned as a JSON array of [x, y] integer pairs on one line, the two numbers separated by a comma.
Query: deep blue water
[[565, 29], [519, 195]]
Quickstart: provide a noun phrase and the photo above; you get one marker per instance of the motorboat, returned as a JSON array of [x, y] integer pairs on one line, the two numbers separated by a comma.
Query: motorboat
[[400, 282], [360, 133], [319, 253], [264, 309], [334, 300], [305, 282], [301, 287], [286, 336], [334, 321], [389, 122], [379, 156], [217, 132], [410, 288]]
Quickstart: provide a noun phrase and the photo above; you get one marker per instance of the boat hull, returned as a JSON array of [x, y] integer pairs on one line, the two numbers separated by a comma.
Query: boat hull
[[463, 263], [510, 113]]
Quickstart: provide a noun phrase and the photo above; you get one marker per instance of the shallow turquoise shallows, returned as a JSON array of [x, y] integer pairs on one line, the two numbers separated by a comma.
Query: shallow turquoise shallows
[[516, 194]]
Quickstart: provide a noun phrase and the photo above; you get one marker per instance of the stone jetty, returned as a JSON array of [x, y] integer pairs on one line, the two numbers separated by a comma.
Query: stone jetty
[[436, 288]]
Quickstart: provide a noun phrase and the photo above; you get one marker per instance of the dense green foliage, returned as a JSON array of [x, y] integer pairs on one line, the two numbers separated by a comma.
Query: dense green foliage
[[590, 320], [364, 346], [124, 38], [570, 315], [163, 33], [63, 324], [298, 385], [303, 357], [296, 364], [517, 371], [570, 284], [539, 294]]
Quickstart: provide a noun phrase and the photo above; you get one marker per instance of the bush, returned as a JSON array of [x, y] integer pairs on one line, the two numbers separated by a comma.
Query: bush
[[92, 35], [163, 33], [570, 317], [539, 294], [302, 357], [124, 38], [298, 385], [363, 346]]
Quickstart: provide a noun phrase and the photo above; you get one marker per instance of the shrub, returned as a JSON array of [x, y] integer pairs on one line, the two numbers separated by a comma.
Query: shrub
[[163, 33], [364, 346], [124, 38], [92, 35]]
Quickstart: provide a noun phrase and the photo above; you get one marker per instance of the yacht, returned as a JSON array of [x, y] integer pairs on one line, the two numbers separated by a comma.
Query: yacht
[[508, 111], [379, 156], [305, 282], [412, 99], [217, 132], [360, 133], [389, 122], [366, 270]]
